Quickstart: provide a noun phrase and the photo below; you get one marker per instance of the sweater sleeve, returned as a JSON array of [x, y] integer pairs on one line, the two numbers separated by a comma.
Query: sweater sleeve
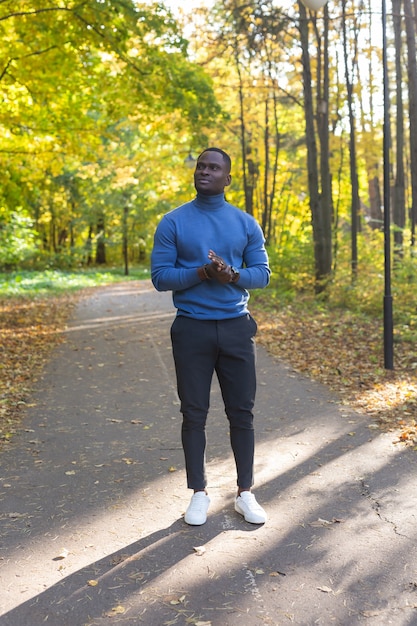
[[164, 273], [256, 273]]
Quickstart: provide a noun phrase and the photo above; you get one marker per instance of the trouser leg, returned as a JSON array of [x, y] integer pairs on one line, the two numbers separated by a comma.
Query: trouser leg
[[194, 351], [236, 372]]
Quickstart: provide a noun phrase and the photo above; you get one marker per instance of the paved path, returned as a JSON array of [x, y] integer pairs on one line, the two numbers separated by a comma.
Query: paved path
[[93, 491]]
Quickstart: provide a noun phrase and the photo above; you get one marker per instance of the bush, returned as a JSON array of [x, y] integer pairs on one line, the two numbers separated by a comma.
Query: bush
[[18, 239]]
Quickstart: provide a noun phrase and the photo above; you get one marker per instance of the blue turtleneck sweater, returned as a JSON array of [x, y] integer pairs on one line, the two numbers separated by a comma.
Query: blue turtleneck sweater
[[181, 244]]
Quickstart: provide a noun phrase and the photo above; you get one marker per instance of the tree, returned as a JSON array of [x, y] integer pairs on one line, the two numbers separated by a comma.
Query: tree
[[412, 106], [399, 183], [320, 204], [72, 76]]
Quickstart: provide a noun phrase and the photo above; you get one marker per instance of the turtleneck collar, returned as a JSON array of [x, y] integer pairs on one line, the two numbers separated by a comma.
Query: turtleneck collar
[[209, 203]]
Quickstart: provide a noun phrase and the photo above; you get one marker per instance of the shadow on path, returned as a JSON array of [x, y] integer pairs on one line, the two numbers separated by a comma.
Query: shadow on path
[[99, 472]]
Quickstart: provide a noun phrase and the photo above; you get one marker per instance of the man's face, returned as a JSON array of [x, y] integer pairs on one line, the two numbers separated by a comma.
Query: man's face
[[211, 174]]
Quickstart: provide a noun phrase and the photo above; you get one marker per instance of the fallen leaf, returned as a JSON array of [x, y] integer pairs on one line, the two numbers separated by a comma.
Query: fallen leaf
[[325, 522], [178, 601], [62, 555], [325, 589], [92, 583], [200, 550], [116, 610], [371, 613]]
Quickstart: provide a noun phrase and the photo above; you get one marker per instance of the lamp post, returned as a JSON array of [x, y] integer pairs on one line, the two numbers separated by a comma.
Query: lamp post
[[190, 161], [315, 5]]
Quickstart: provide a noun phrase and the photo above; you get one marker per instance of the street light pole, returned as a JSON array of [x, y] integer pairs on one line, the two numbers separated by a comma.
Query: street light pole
[[388, 317]]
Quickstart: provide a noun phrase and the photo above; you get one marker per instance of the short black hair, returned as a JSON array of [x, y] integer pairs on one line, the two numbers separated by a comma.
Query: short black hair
[[226, 157]]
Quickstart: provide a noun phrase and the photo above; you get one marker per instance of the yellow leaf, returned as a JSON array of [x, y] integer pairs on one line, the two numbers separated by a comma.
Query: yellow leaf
[[116, 610], [92, 583]]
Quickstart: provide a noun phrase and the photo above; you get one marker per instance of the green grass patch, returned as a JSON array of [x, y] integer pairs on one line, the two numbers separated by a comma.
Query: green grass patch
[[54, 282]]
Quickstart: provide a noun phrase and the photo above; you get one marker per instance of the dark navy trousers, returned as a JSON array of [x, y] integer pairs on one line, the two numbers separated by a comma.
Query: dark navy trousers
[[227, 347]]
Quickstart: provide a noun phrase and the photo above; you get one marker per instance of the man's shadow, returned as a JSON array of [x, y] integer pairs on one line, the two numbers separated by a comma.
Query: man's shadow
[[93, 591]]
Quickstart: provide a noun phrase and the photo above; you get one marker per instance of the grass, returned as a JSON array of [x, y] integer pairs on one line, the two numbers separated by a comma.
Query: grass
[[53, 282]]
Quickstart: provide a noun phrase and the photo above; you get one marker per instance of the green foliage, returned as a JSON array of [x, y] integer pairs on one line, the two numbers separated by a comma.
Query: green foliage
[[86, 89], [31, 284], [292, 265], [292, 283], [18, 239]]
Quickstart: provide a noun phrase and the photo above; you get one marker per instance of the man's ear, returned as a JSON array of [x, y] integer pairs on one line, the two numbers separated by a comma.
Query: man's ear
[[228, 179]]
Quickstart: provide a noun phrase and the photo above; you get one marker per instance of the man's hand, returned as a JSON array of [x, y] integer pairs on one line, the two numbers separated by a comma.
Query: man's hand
[[218, 268]]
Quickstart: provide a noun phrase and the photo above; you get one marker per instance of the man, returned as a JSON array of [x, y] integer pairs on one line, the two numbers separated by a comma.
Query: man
[[213, 330]]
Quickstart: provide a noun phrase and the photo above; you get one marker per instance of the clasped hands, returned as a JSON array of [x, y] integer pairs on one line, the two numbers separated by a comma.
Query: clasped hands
[[218, 268]]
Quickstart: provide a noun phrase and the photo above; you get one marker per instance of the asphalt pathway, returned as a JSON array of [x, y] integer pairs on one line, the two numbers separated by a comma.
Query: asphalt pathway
[[92, 494]]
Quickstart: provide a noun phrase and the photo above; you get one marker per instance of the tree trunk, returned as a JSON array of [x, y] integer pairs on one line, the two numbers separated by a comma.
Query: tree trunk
[[399, 183], [375, 204], [245, 150], [101, 246], [266, 208], [354, 181], [125, 240], [320, 211], [412, 99], [89, 246]]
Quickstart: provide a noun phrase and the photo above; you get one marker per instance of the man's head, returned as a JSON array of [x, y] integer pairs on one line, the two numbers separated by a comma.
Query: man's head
[[212, 172]]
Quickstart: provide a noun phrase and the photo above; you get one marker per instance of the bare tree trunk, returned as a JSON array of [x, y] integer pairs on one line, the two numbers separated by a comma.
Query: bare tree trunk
[[322, 106], [275, 166], [265, 212], [320, 210], [101, 246], [372, 153], [399, 184], [125, 240], [247, 177], [352, 150], [89, 246], [412, 99]]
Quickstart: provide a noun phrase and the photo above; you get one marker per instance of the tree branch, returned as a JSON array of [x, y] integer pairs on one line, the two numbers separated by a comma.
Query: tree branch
[[24, 56]]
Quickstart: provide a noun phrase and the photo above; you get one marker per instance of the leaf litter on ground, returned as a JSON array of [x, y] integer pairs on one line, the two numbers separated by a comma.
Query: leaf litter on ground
[[29, 330], [336, 348], [345, 352]]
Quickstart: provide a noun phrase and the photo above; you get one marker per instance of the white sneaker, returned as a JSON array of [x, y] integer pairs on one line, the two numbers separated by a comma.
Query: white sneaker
[[247, 506], [196, 514]]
